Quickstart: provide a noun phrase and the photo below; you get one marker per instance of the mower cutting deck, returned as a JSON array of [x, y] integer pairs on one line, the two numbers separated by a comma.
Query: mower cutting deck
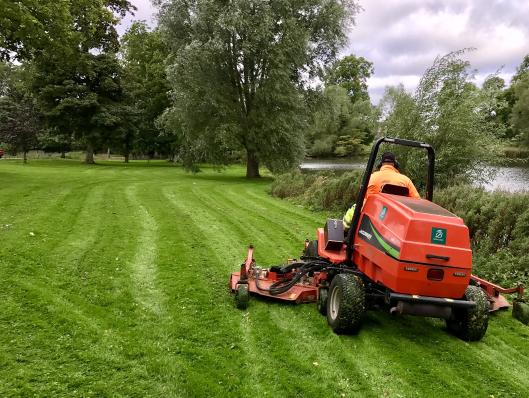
[[407, 255]]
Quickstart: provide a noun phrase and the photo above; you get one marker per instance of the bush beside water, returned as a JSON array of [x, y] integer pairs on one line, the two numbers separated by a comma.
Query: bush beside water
[[498, 221]]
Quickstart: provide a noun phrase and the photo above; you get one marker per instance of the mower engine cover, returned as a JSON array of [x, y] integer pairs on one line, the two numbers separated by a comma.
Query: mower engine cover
[[413, 246]]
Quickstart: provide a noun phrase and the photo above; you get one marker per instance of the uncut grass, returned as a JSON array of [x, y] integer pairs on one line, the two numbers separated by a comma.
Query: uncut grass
[[122, 291]]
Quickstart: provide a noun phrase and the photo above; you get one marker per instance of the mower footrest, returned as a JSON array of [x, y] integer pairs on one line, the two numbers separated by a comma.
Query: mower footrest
[[409, 298]]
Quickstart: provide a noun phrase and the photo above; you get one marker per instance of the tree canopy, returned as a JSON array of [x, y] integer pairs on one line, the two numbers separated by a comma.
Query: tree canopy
[[520, 110], [20, 116], [351, 73], [146, 86], [238, 73], [445, 111], [79, 84]]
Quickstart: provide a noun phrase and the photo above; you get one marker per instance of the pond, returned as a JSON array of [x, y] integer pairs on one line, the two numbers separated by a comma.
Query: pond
[[512, 179]]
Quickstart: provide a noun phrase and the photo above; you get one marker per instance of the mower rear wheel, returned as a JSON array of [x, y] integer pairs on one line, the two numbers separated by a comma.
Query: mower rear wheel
[[346, 303], [242, 296], [322, 300], [471, 324]]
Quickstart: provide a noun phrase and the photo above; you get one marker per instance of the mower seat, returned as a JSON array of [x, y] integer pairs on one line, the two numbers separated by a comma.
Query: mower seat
[[395, 190]]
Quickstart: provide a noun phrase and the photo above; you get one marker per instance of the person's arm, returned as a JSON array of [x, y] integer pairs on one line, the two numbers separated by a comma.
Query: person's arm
[[413, 191]]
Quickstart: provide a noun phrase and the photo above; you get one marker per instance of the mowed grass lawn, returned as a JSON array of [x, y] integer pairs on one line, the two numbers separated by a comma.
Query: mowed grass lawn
[[113, 282]]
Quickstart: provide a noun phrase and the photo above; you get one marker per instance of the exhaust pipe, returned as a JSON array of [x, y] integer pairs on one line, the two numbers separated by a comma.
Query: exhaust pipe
[[429, 310]]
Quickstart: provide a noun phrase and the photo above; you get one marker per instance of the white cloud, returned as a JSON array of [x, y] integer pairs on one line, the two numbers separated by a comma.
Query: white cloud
[[403, 37]]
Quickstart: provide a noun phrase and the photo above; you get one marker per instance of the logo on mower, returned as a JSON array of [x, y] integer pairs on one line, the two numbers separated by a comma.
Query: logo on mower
[[439, 236], [366, 234]]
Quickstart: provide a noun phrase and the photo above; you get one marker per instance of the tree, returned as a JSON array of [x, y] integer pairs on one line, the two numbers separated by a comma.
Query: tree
[[494, 106], [445, 112], [82, 97], [20, 117], [339, 127], [522, 70], [351, 72], [146, 85], [78, 84], [238, 74], [31, 26], [520, 110]]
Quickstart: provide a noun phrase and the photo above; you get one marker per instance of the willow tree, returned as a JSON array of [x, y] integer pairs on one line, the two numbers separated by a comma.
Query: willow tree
[[239, 70], [447, 111]]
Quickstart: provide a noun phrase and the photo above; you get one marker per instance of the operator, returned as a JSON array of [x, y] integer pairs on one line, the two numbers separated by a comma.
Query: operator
[[388, 173]]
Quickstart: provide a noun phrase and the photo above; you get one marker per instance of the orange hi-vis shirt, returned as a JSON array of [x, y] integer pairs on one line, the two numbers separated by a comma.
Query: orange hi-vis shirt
[[390, 175]]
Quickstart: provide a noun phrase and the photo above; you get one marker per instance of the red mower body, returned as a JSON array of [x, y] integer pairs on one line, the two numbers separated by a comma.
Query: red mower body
[[408, 255], [411, 246]]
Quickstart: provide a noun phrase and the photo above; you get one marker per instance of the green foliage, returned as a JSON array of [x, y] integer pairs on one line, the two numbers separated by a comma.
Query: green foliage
[[448, 112], [237, 74], [20, 116], [340, 127], [494, 105], [520, 110], [319, 191], [509, 98], [516, 152], [79, 84], [522, 71], [146, 86], [82, 97], [29, 28], [351, 73], [499, 230], [347, 145]]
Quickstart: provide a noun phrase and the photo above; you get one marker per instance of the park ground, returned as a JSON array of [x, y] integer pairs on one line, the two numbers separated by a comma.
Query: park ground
[[113, 282]]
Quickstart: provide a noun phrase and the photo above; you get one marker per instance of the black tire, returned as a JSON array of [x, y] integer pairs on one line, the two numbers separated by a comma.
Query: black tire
[[312, 249], [242, 296], [322, 300], [346, 303], [471, 324]]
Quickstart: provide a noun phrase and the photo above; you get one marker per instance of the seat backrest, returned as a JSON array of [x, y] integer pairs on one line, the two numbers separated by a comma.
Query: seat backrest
[[395, 190]]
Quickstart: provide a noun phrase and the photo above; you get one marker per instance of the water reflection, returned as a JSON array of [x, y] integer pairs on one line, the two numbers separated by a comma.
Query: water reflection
[[511, 179]]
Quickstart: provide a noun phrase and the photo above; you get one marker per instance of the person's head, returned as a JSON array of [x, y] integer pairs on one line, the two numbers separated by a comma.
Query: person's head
[[388, 158]]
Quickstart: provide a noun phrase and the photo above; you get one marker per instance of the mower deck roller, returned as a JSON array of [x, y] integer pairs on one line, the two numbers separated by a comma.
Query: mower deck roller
[[409, 256]]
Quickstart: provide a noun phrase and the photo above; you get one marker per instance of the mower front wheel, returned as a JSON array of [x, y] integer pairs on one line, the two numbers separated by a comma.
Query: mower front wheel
[[471, 324], [322, 300], [242, 296], [346, 303]]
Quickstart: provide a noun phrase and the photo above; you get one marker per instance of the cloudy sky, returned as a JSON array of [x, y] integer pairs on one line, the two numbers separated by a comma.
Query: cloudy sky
[[402, 37]]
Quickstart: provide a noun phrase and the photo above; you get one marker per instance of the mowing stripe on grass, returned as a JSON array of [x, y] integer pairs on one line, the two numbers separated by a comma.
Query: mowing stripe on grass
[[144, 263], [74, 321]]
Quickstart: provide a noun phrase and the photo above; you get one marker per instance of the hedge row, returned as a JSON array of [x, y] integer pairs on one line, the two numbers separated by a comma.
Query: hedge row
[[498, 221]]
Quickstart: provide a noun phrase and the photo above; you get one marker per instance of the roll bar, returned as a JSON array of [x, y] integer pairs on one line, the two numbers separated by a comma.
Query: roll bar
[[367, 174]]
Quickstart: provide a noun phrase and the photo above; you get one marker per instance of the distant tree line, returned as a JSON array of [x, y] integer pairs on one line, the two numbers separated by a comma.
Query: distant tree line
[[217, 82]]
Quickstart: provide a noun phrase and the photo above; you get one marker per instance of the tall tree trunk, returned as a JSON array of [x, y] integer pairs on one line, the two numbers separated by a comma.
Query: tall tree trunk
[[63, 155], [108, 153], [25, 156], [89, 159], [252, 165], [126, 157]]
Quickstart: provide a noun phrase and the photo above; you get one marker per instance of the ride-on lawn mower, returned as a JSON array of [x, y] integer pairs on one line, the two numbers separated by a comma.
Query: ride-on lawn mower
[[409, 256]]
